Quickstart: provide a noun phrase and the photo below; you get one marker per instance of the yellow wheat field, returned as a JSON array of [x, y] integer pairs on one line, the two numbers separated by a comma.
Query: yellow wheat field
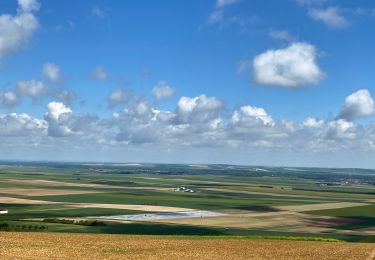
[[89, 246]]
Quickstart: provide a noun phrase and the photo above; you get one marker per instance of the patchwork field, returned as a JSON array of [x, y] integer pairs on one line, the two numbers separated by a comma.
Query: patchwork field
[[84, 246], [217, 200]]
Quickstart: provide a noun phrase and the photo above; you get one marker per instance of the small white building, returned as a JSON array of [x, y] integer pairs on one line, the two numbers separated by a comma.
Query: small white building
[[184, 189], [3, 211]]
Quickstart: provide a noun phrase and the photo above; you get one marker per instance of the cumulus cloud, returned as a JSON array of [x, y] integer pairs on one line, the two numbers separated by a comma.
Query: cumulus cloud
[[57, 117], [200, 122], [118, 97], [250, 116], [56, 109], [358, 104], [341, 129], [312, 122], [21, 125], [51, 71], [8, 99], [24, 89], [294, 66], [99, 73], [31, 88], [28, 5], [331, 16], [162, 90], [198, 109], [66, 96], [16, 30]]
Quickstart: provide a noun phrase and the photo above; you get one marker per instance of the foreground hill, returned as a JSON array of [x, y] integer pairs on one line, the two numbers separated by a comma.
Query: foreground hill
[[88, 246]]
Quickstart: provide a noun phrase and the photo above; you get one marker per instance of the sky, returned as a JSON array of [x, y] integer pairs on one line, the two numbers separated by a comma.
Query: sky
[[253, 82]]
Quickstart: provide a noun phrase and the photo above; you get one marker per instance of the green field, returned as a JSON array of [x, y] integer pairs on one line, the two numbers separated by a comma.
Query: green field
[[248, 201]]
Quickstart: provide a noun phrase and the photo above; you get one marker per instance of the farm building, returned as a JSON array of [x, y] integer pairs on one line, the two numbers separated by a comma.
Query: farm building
[[3, 211], [184, 189]]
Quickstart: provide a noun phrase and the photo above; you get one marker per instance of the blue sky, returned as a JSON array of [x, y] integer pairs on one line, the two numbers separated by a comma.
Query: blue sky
[[284, 82]]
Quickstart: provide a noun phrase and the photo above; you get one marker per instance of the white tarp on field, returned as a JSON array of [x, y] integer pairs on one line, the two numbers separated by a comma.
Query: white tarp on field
[[164, 215]]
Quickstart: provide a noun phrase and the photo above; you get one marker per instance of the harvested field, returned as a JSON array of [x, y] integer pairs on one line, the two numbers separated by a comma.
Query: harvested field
[[81, 185], [274, 194], [269, 221], [255, 192], [87, 246], [9, 200], [149, 208], [41, 192], [311, 207]]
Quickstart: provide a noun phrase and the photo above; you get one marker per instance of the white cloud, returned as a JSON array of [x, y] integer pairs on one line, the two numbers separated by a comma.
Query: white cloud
[[250, 116], [58, 116], [312, 122], [118, 97], [51, 71], [98, 12], [216, 16], [281, 35], [31, 88], [358, 104], [162, 90], [66, 96], [16, 31], [198, 109], [28, 5], [200, 122], [8, 99], [311, 2], [341, 129], [294, 66], [99, 73], [223, 3], [331, 16], [141, 108], [56, 109], [21, 125]]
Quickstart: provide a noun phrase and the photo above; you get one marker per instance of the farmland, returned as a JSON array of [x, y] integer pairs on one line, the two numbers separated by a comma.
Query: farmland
[[84, 246], [225, 200]]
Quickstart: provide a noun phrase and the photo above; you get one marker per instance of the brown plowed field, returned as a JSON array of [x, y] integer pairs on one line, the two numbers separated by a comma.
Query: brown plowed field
[[89, 246]]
